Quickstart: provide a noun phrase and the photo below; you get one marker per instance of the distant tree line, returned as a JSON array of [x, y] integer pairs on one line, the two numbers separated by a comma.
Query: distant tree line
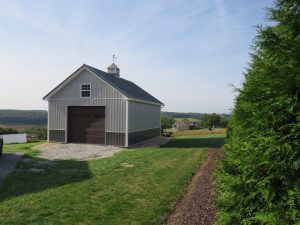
[[31, 117], [181, 115], [199, 116], [212, 120]]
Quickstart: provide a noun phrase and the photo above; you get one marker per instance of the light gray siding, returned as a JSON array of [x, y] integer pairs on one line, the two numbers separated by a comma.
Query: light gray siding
[[99, 89], [143, 116], [102, 94], [126, 121]]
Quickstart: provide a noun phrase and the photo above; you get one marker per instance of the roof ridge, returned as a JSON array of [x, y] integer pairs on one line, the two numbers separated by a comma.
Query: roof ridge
[[108, 73]]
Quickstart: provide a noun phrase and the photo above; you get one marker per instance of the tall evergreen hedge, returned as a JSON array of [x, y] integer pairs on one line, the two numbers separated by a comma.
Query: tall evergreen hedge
[[259, 182]]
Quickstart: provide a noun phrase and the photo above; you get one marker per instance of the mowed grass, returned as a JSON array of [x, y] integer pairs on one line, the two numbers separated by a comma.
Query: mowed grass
[[24, 147], [200, 132], [201, 136], [133, 187], [194, 141]]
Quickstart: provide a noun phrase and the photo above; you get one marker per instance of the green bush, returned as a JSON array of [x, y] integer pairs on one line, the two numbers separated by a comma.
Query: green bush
[[213, 120], [8, 131], [37, 133], [166, 122], [259, 183]]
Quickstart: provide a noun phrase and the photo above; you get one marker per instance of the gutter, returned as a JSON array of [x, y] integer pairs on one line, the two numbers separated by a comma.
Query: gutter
[[147, 102]]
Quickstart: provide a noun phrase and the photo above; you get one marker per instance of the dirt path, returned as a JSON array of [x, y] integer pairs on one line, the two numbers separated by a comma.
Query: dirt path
[[195, 208]]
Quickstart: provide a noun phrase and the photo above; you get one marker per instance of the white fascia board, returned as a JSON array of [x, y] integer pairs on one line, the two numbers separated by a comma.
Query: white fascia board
[[48, 122], [64, 83], [146, 102], [127, 124]]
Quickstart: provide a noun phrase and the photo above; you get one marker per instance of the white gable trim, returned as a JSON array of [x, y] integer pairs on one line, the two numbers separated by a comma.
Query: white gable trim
[[70, 78], [64, 83]]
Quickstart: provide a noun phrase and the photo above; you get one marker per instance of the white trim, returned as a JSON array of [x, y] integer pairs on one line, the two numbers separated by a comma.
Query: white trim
[[160, 122], [58, 129], [105, 108], [80, 90], [48, 123], [66, 123], [147, 102], [61, 85], [67, 99], [143, 130], [126, 124]]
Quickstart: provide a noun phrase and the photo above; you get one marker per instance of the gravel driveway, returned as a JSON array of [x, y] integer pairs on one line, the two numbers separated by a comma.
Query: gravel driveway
[[75, 151]]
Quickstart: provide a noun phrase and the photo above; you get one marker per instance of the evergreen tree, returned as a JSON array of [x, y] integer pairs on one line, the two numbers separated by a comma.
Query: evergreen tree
[[259, 183]]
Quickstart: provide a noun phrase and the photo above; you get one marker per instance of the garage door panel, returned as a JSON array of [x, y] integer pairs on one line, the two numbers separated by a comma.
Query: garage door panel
[[86, 124], [94, 137], [90, 131], [95, 127]]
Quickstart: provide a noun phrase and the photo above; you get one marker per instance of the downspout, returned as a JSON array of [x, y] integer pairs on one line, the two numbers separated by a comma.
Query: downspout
[[126, 125]]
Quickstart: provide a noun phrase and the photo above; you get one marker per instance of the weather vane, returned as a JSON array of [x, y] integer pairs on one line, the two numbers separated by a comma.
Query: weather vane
[[114, 58]]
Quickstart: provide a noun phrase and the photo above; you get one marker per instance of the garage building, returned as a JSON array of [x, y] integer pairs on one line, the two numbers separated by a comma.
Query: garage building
[[95, 107]]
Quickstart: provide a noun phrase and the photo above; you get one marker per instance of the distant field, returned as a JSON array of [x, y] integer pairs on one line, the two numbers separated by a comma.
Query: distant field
[[200, 132], [187, 119], [19, 127]]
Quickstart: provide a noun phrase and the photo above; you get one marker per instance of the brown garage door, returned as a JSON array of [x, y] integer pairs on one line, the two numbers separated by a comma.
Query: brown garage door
[[86, 124]]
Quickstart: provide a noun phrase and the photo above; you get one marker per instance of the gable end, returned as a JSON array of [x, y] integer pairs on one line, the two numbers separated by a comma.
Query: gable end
[[73, 76]]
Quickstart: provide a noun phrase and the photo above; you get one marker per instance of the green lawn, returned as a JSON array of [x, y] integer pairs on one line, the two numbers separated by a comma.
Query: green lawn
[[193, 141], [26, 148], [133, 187], [201, 136]]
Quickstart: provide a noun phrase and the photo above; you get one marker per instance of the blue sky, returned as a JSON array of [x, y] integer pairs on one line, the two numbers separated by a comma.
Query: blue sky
[[184, 52]]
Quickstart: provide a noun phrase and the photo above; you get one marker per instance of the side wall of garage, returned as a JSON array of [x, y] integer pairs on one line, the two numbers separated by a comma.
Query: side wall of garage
[[143, 121], [102, 94]]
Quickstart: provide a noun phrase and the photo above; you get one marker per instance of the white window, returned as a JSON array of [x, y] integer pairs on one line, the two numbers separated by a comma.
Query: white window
[[85, 91]]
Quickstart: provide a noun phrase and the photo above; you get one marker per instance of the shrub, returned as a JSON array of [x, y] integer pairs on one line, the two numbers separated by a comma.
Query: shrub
[[8, 131], [37, 133], [166, 122], [259, 182]]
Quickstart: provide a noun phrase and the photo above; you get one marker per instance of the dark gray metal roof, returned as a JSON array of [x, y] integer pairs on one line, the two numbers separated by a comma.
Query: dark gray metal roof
[[128, 88]]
